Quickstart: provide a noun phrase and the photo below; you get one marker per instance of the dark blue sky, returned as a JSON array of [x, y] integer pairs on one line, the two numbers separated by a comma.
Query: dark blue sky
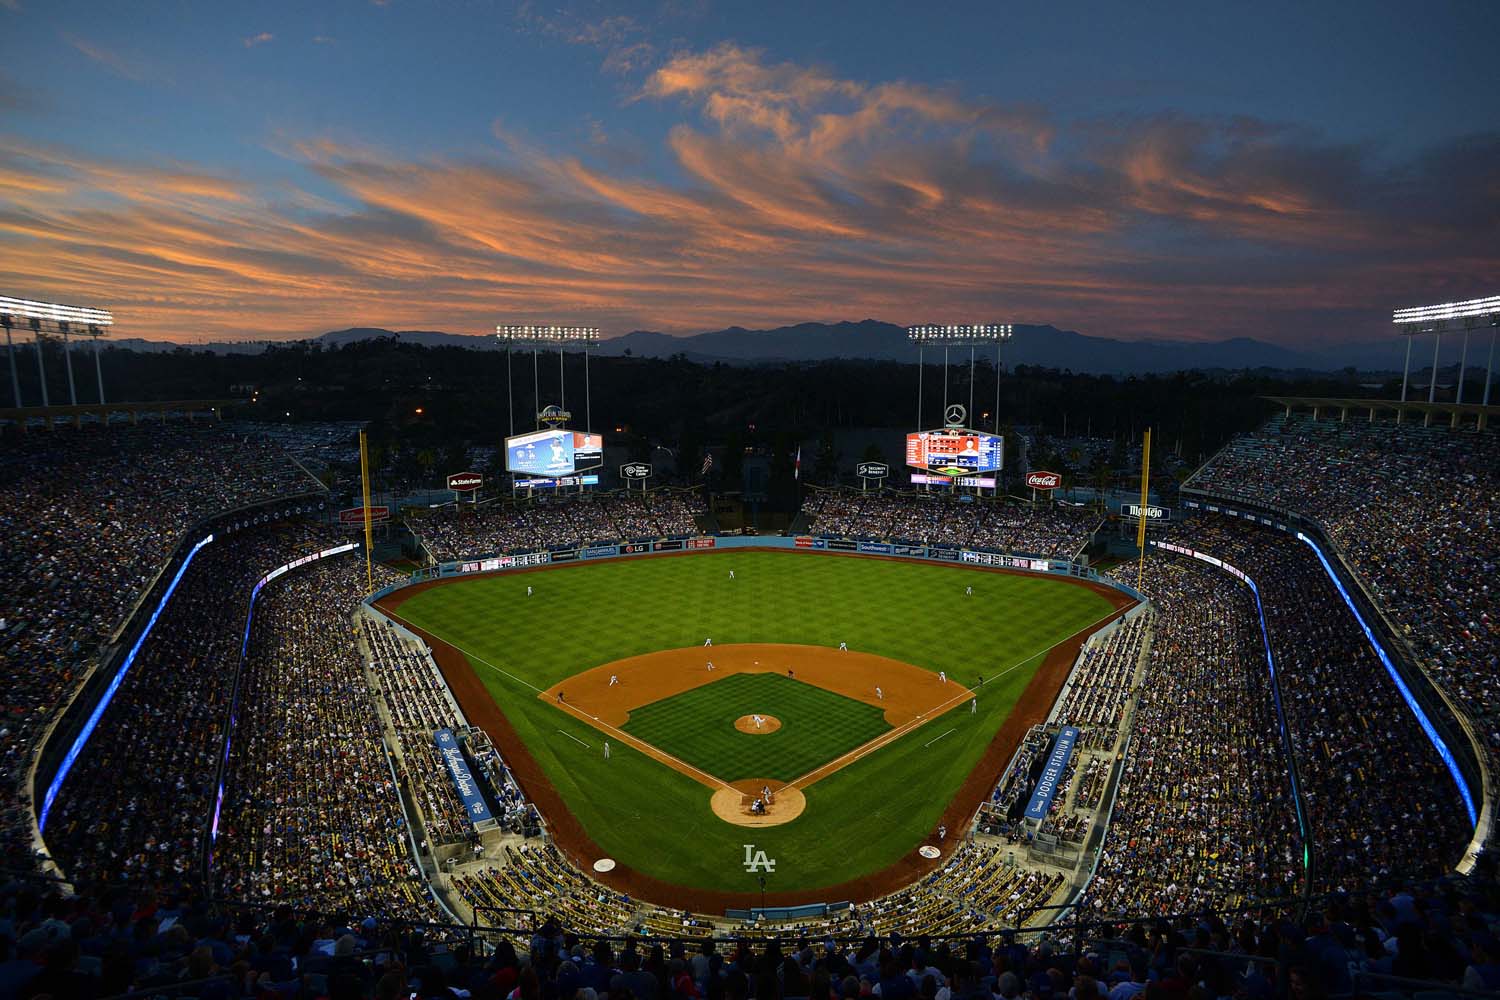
[[1287, 171]]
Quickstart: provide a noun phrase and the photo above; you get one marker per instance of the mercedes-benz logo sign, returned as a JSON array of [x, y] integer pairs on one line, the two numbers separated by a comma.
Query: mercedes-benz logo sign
[[954, 415]]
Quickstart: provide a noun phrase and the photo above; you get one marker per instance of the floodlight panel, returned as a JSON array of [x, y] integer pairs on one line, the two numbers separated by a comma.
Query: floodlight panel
[[959, 332], [55, 312], [1447, 310], [547, 334]]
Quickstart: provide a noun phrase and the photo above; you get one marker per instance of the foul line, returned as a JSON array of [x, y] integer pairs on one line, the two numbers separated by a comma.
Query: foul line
[[676, 763], [865, 749], [575, 739], [936, 738]]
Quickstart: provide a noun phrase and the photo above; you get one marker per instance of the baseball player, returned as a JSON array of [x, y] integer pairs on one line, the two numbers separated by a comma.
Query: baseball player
[[879, 694], [943, 676], [969, 591], [710, 664], [528, 591], [843, 647], [757, 720], [973, 706], [613, 680], [606, 749], [731, 574], [709, 641]]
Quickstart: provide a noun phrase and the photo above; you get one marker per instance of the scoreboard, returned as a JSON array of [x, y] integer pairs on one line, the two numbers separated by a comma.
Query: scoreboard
[[955, 451], [553, 453]]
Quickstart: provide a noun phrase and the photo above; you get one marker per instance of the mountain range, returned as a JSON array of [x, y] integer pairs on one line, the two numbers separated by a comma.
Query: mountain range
[[870, 339]]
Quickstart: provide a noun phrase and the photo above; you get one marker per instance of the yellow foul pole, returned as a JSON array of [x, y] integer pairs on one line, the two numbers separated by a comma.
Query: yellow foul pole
[[1140, 528], [364, 475]]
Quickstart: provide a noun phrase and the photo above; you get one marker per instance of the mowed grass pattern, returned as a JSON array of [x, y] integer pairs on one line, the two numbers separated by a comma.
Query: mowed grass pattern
[[858, 820], [698, 726]]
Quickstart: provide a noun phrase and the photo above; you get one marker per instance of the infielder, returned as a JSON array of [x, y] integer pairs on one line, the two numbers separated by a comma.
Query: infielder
[[943, 676], [613, 680], [709, 641], [880, 694], [843, 647], [710, 664]]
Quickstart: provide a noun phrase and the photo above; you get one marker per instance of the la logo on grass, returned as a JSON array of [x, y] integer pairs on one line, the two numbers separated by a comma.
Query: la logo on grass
[[756, 861]]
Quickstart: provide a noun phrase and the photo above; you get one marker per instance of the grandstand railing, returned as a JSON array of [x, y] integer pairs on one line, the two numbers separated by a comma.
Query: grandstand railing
[[72, 716], [1458, 729]]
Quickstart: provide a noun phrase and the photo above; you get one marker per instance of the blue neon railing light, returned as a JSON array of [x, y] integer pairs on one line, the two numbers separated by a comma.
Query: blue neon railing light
[[1433, 736], [114, 685]]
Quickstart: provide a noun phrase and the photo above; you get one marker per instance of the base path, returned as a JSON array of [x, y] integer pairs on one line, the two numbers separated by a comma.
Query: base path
[[571, 838]]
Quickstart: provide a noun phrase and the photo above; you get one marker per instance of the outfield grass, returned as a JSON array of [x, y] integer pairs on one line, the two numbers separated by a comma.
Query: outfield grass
[[698, 726], [860, 819]]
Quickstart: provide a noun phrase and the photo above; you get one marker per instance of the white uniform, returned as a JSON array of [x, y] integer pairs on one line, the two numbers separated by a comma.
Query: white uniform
[[843, 647], [943, 676], [613, 680], [708, 642], [710, 664], [969, 591], [528, 591], [973, 706], [731, 574], [880, 694], [606, 749]]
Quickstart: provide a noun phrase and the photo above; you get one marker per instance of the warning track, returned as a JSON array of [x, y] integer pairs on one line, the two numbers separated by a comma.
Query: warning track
[[480, 708]]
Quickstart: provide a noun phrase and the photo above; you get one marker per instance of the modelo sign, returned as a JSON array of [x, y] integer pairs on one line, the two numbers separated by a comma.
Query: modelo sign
[[465, 482], [873, 470], [635, 470], [1151, 512], [1043, 480], [356, 515]]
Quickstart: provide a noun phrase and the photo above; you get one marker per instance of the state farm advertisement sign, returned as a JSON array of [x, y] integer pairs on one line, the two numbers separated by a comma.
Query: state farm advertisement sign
[[1043, 480], [463, 482]]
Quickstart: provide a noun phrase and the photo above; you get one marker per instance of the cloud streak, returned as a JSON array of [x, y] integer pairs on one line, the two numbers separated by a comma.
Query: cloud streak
[[799, 195]]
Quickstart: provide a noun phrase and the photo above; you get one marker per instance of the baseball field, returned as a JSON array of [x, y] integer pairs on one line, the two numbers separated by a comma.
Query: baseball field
[[644, 744]]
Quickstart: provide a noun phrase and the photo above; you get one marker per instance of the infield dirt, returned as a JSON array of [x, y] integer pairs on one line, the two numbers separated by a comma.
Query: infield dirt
[[569, 835]]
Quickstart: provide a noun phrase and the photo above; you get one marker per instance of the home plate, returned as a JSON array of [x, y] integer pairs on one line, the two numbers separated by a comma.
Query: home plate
[[926, 850], [608, 865]]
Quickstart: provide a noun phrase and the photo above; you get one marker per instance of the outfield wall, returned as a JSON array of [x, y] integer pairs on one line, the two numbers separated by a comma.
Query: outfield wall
[[810, 543]]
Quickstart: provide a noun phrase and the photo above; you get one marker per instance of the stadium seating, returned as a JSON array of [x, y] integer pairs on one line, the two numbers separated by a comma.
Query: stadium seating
[[1413, 511]]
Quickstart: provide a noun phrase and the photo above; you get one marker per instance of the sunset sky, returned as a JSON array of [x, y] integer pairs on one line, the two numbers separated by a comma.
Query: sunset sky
[[221, 170]]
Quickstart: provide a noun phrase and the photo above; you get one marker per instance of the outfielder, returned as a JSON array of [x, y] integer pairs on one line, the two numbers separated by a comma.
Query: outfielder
[[606, 749]]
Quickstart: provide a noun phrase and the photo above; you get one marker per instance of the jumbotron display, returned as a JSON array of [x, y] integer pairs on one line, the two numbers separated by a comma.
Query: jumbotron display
[[955, 451], [553, 452]]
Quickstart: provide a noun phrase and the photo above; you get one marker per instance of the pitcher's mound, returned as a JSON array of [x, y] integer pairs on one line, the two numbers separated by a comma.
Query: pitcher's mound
[[768, 724], [732, 804]]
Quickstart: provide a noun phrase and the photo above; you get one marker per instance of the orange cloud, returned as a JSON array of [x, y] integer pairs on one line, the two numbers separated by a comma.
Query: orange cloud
[[800, 196]]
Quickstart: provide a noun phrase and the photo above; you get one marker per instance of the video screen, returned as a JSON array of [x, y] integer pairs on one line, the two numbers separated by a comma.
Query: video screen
[[955, 452], [553, 453]]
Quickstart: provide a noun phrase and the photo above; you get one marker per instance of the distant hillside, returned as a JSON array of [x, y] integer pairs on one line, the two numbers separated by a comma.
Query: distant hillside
[[870, 339]]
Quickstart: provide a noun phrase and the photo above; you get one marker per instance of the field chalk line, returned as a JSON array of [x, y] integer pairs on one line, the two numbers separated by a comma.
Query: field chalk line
[[575, 739], [865, 749], [621, 735], [936, 738]]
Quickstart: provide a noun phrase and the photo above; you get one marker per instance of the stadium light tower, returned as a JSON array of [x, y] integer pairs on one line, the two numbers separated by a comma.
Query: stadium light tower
[[970, 335], [53, 317], [537, 337], [1466, 316]]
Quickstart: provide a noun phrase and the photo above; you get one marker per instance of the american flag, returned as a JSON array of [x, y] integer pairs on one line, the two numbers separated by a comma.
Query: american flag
[[797, 465], [708, 463]]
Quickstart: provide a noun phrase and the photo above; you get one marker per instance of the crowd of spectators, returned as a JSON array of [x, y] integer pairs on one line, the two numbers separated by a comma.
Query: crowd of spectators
[[108, 941], [1368, 773], [1413, 510], [1044, 529], [89, 517], [1095, 696], [555, 522], [1204, 815], [1049, 529], [311, 812]]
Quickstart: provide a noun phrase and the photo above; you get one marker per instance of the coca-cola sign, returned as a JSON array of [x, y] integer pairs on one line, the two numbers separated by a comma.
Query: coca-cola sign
[[463, 482], [1043, 480]]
